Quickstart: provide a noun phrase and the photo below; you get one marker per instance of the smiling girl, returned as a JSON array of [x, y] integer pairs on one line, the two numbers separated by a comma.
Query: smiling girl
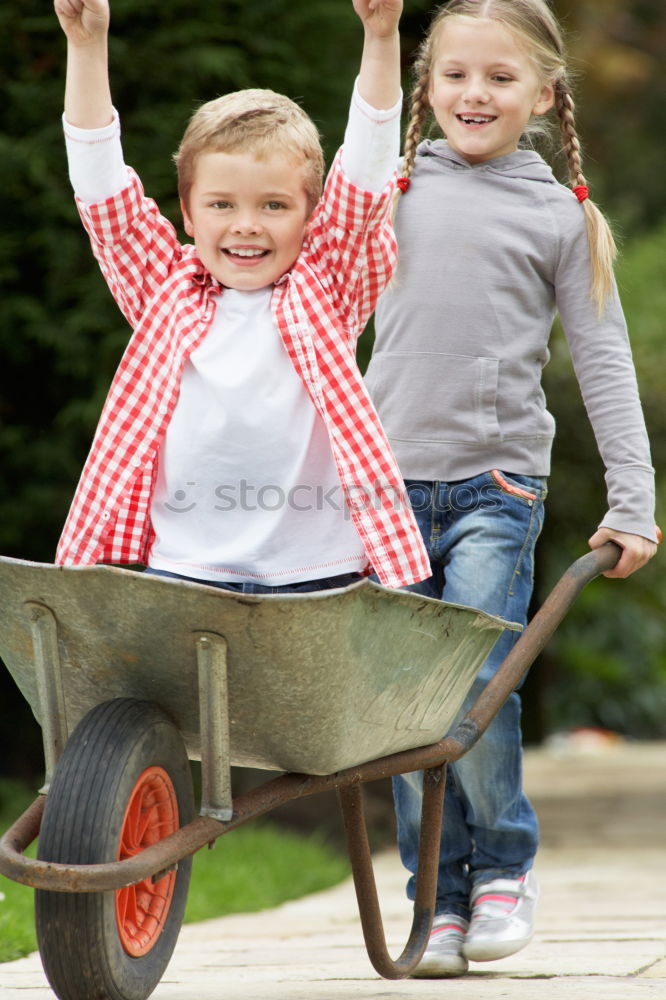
[[491, 246]]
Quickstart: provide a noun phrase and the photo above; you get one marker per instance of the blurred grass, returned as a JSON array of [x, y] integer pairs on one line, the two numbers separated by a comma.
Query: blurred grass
[[257, 867], [17, 932]]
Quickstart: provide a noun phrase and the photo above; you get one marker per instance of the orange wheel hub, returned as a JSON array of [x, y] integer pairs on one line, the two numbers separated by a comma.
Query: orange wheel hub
[[151, 815]]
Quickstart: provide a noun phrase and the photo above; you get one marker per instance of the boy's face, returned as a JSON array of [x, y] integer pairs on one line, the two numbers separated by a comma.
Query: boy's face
[[248, 216]]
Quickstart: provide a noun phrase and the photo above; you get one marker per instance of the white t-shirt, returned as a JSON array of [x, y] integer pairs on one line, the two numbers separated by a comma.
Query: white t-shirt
[[247, 488]]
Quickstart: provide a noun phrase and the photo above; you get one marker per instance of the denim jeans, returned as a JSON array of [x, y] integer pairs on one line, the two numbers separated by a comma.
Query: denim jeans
[[304, 587], [480, 534]]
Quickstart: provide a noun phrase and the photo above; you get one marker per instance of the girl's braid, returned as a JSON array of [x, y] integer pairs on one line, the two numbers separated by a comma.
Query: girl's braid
[[564, 106], [419, 108], [600, 238]]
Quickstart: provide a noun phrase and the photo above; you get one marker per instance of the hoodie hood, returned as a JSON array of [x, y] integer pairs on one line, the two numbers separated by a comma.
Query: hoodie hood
[[524, 163]]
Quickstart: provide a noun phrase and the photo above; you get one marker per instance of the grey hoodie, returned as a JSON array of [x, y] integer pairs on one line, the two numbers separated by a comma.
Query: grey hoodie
[[488, 254]]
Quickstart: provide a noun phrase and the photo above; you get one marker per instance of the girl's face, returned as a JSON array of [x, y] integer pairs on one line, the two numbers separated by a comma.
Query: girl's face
[[483, 88]]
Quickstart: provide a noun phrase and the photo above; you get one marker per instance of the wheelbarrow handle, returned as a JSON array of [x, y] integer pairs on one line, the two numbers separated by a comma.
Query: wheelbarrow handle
[[532, 641]]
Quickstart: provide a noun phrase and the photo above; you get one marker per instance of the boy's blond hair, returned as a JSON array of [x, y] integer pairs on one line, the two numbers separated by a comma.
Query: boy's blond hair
[[257, 121]]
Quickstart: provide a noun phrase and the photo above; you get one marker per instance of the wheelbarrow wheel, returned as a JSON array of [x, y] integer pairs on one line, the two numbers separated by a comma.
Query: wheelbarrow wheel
[[123, 782]]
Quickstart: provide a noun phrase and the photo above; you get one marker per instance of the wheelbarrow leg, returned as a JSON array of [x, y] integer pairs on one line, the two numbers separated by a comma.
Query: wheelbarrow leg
[[351, 801], [49, 686], [216, 797]]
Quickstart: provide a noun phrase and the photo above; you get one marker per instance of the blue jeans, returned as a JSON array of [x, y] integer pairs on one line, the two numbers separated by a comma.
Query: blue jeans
[[480, 534], [304, 587]]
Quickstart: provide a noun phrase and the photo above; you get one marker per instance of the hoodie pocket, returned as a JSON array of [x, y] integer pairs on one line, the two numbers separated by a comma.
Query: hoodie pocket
[[434, 397]]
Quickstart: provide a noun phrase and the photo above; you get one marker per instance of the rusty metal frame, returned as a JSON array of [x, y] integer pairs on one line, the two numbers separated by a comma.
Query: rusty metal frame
[[432, 759], [432, 810]]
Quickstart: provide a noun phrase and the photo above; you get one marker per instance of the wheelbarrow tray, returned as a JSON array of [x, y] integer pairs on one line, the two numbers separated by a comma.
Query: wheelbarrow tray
[[316, 682]]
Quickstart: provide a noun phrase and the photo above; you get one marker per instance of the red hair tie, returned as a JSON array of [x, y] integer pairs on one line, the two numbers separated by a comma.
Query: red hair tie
[[403, 183], [581, 192]]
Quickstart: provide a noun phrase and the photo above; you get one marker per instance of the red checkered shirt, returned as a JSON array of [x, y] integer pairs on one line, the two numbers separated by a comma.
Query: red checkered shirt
[[320, 307]]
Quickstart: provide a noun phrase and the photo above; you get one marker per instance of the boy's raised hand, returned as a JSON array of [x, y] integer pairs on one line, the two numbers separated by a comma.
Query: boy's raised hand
[[83, 21], [87, 93], [379, 75], [379, 17]]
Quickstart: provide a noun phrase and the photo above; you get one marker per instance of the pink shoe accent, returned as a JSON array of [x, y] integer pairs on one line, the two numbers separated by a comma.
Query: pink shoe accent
[[446, 927], [509, 901]]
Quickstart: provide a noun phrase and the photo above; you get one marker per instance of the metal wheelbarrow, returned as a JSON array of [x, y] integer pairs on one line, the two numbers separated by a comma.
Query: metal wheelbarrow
[[132, 676]]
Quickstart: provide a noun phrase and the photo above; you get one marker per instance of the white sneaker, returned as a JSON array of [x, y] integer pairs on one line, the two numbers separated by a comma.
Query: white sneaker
[[502, 918], [443, 955]]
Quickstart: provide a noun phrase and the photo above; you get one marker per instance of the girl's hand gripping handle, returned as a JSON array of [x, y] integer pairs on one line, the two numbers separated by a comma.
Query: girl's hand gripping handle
[[636, 550]]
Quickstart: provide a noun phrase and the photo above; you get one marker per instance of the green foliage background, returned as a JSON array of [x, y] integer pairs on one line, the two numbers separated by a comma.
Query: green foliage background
[[61, 336]]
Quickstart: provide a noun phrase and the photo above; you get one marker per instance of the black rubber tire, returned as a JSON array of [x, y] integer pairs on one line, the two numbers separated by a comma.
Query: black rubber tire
[[77, 933]]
